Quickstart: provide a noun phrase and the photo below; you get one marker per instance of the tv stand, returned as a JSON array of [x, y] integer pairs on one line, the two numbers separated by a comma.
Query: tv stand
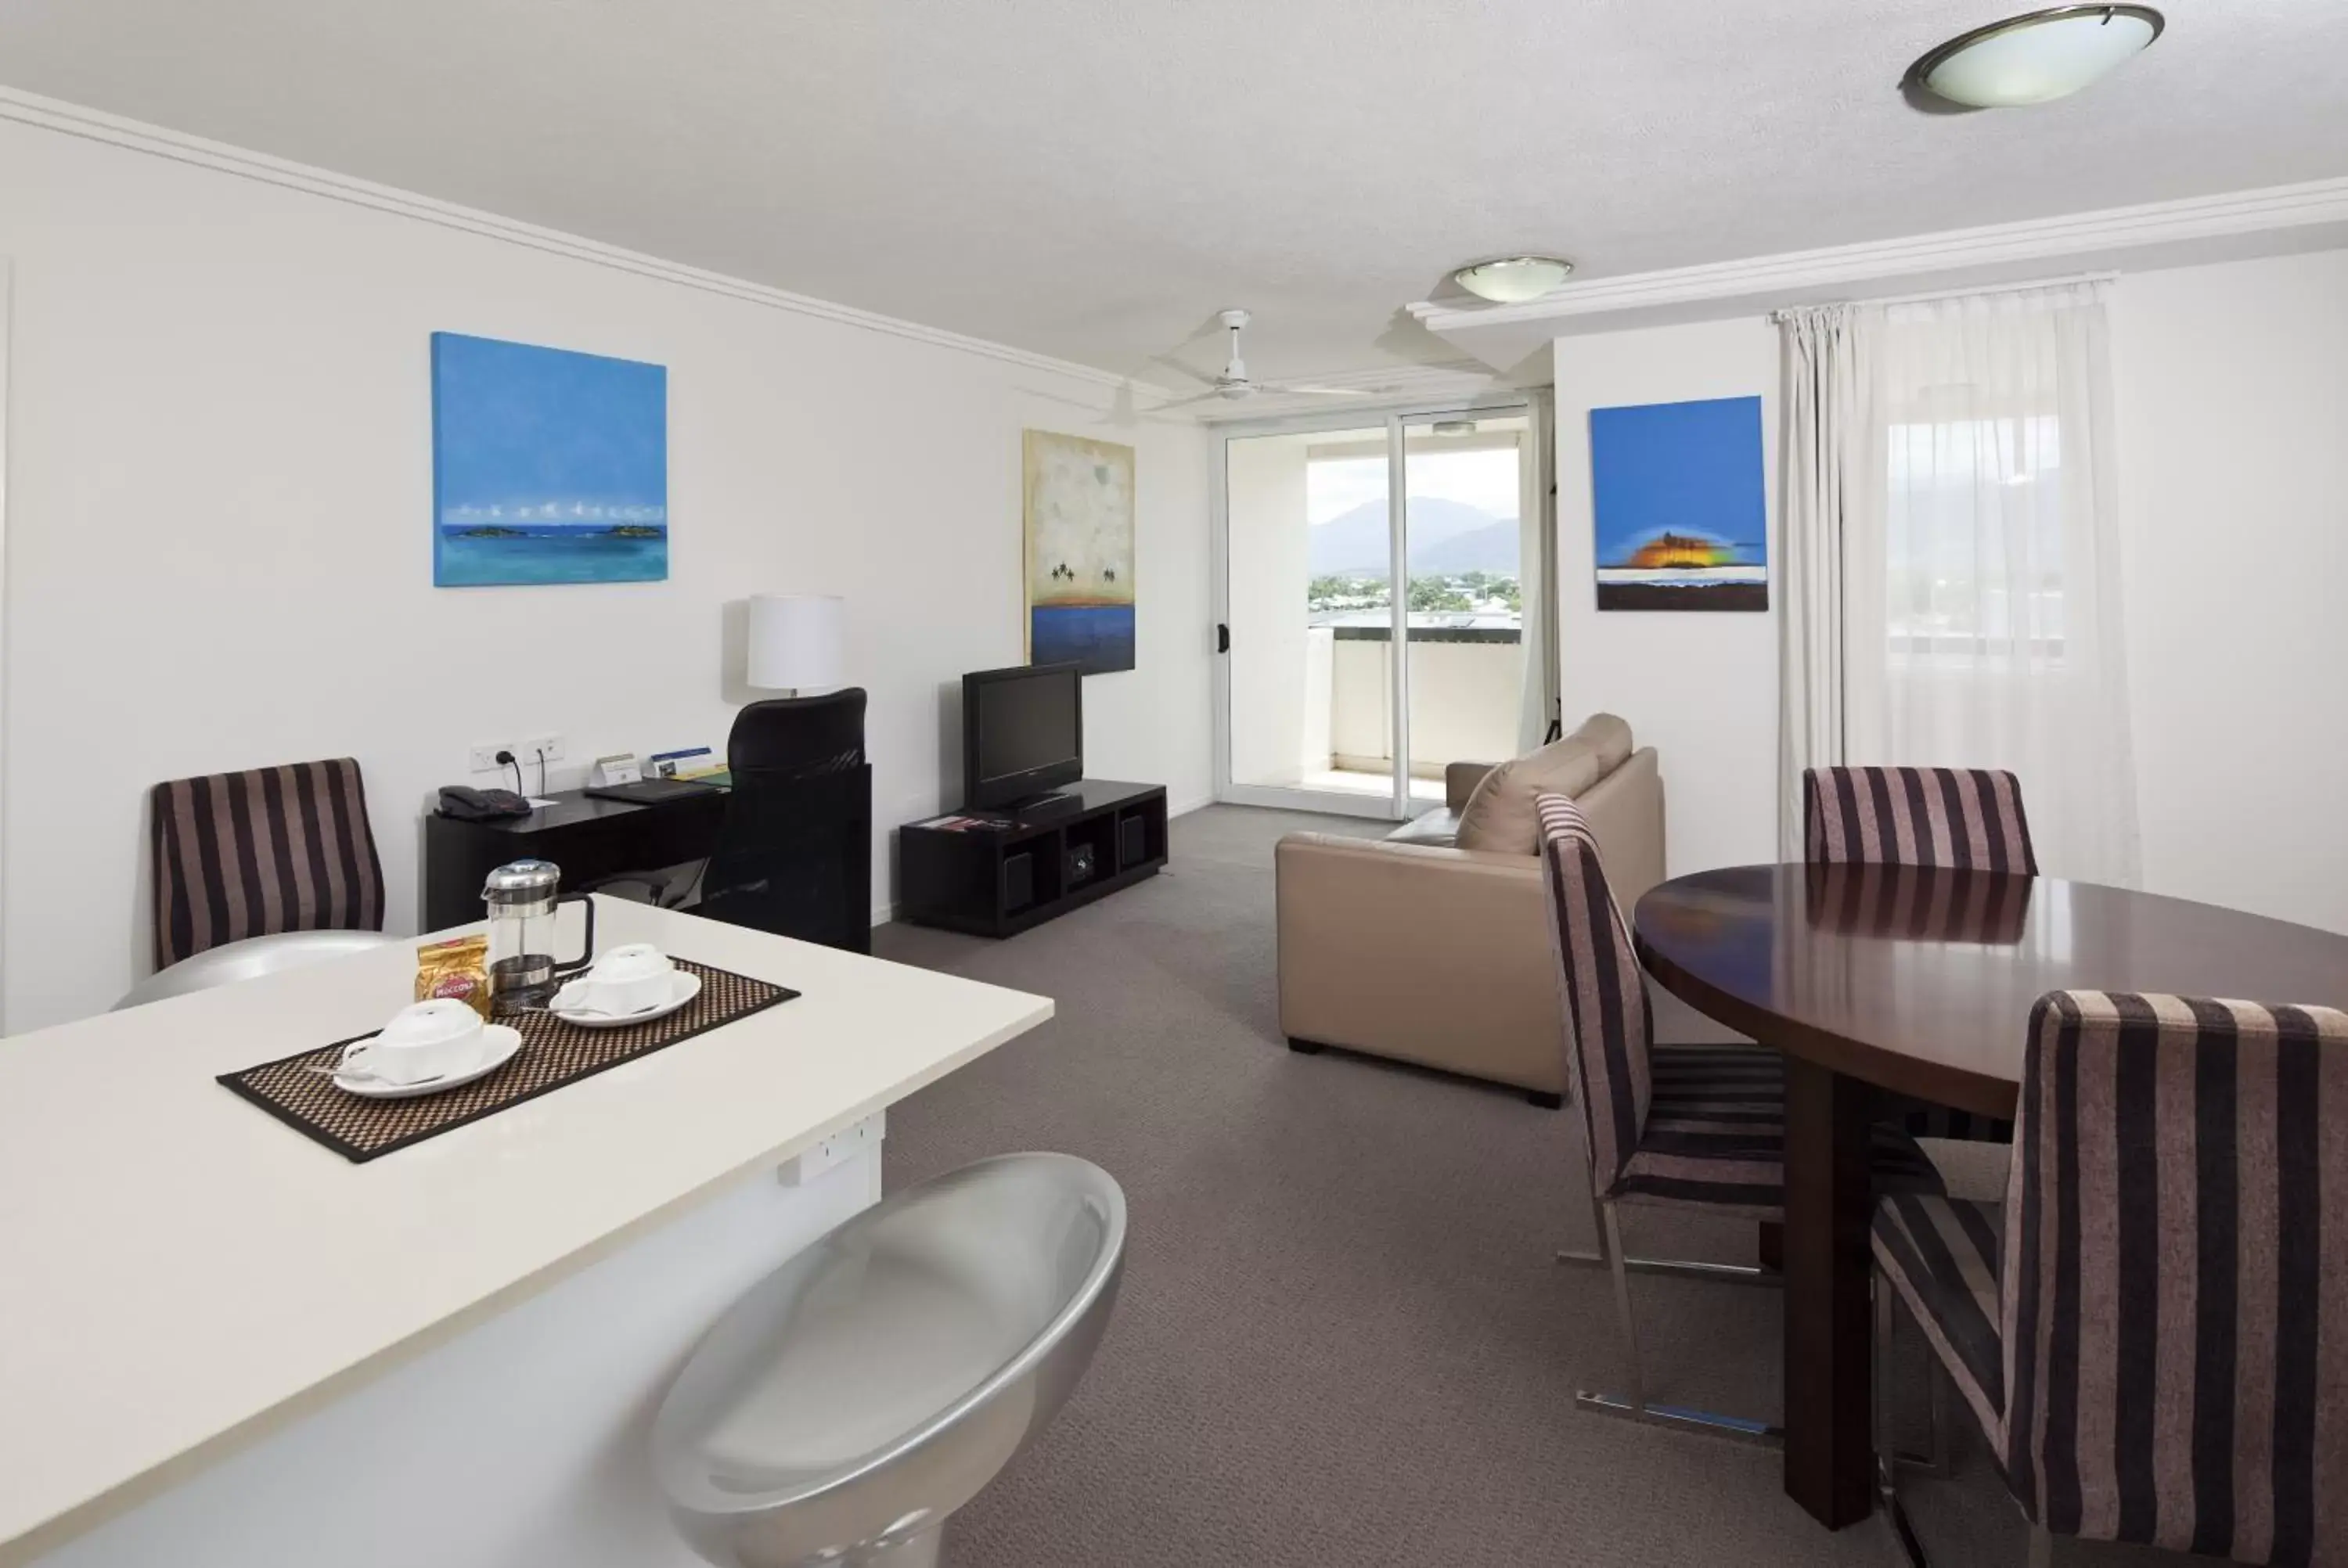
[[1008, 872]]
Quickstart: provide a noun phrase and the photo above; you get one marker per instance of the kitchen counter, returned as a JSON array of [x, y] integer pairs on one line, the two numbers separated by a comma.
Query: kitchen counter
[[182, 1277]]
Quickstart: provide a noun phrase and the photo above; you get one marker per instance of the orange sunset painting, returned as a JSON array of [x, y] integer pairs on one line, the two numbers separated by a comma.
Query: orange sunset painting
[[1677, 492]]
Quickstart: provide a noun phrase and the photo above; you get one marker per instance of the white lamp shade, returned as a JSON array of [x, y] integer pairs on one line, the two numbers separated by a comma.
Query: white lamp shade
[[797, 641]]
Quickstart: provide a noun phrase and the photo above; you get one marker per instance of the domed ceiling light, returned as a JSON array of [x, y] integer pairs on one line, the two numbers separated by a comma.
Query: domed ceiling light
[[2037, 57], [1513, 279]]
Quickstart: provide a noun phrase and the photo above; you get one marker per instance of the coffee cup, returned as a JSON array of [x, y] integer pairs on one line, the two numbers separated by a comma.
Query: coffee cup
[[627, 979], [425, 1040]]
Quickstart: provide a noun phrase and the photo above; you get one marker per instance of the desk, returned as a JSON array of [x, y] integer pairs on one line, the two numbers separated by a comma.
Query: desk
[[590, 839], [1921, 982], [226, 1346]]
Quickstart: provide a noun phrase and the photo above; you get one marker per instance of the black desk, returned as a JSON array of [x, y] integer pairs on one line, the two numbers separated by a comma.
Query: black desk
[[590, 839]]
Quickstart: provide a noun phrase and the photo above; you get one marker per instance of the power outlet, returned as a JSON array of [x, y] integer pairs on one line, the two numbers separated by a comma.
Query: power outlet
[[485, 756], [833, 1151]]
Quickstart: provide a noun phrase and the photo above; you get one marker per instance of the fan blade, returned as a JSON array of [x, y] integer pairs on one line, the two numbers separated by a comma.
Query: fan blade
[[1171, 363], [1312, 391], [1185, 402]]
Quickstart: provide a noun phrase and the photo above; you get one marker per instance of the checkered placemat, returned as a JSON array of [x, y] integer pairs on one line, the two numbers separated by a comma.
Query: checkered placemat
[[552, 1053]]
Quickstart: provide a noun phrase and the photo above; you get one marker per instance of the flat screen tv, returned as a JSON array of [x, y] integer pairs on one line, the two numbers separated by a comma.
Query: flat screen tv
[[1023, 733]]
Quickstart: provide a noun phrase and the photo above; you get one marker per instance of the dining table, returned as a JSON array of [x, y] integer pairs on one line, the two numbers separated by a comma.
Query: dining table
[[1883, 986]]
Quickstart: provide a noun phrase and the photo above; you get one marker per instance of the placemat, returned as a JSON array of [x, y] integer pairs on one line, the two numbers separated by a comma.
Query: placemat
[[552, 1053]]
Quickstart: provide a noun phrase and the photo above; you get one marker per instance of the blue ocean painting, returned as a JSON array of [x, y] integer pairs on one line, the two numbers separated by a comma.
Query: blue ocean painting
[[1679, 496], [1097, 636], [546, 466]]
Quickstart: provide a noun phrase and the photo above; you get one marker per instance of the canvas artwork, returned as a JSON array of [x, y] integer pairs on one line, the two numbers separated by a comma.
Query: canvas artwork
[[546, 466], [1079, 511], [1679, 495]]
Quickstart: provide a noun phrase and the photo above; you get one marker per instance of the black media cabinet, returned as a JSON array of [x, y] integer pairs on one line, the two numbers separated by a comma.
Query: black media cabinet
[[998, 880]]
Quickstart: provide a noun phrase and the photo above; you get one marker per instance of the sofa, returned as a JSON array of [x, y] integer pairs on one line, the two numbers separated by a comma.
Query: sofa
[[1432, 944]]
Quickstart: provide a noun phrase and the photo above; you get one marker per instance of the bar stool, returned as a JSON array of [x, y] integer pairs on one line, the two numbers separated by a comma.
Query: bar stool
[[856, 1397], [249, 960]]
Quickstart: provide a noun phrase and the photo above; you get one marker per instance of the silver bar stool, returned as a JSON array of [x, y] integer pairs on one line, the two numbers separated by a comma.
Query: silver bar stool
[[856, 1397], [249, 960]]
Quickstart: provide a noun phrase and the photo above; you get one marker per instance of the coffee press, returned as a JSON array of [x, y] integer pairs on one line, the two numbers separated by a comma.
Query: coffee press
[[522, 905]]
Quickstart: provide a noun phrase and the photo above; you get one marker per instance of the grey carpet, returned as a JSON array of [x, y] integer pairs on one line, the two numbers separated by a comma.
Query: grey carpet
[[1342, 1339]]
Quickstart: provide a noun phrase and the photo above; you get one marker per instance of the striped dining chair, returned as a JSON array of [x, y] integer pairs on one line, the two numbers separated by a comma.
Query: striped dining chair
[[1687, 1126], [1943, 819], [256, 853], [1964, 817], [2153, 1332]]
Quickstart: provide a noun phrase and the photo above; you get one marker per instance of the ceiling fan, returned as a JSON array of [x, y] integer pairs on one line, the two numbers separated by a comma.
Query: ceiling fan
[[1235, 386]]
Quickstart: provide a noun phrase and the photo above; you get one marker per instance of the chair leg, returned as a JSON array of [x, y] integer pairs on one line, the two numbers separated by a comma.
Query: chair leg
[[1887, 1465], [1636, 1408], [2042, 1547]]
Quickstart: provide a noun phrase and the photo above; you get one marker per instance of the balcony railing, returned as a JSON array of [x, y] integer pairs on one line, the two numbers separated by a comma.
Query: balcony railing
[[1467, 675]]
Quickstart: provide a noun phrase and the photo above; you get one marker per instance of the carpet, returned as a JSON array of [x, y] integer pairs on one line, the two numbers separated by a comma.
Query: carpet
[[1342, 1339]]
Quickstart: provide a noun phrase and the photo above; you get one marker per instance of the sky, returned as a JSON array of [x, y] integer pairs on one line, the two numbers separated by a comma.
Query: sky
[[1485, 479], [516, 425]]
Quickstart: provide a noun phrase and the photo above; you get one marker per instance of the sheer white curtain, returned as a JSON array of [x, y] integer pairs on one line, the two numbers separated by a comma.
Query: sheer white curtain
[[1952, 557]]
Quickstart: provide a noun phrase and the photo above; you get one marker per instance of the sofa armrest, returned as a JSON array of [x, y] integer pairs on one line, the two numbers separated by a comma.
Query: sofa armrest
[[1459, 781], [1435, 956]]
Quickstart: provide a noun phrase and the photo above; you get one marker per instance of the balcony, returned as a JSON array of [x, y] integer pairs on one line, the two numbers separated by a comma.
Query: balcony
[[1467, 674]]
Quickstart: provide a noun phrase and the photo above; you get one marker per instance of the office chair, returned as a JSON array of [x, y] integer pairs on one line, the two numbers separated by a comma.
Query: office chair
[[793, 852], [794, 855]]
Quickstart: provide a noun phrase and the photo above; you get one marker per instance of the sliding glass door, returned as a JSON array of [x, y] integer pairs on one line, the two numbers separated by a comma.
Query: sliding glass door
[[1376, 578]]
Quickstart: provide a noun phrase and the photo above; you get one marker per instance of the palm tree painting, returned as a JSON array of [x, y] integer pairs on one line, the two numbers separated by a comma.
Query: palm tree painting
[[1079, 531]]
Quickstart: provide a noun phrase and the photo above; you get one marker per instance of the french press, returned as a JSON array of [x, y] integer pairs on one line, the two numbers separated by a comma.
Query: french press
[[523, 919]]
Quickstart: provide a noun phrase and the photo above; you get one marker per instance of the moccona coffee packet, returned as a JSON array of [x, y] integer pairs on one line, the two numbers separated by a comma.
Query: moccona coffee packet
[[457, 967]]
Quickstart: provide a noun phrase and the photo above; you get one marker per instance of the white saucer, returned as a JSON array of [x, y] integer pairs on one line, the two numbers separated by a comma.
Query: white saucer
[[502, 1042], [685, 985]]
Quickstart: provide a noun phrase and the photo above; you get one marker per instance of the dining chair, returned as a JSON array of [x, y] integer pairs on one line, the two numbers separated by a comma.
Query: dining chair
[[1964, 817], [1686, 1126], [2151, 1330], [1953, 818], [268, 850], [249, 960]]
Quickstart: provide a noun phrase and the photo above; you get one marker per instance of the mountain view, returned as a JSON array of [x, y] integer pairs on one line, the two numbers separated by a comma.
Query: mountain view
[[1446, 537]]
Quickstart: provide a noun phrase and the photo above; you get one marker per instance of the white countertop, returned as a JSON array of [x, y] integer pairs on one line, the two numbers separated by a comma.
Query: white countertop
[[181, 1272]]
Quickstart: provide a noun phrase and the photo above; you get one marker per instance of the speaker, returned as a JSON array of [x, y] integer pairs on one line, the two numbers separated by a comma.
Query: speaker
[[1132, 840], [1018, 881]]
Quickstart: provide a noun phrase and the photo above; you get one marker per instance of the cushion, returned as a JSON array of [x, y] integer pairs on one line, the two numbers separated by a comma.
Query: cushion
[[1439, 828], [1500, 815]]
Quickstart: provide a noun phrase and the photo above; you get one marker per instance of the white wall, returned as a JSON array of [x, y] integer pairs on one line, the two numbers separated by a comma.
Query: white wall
[[2232, 395], [218, 529], [1699, 686], [2232, 406]]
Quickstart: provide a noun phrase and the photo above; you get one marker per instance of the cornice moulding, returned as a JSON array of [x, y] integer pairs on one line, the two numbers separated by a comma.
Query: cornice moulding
[[2114, 230], [159, 141]]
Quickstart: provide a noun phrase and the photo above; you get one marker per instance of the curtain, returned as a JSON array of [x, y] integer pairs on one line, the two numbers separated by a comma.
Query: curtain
[[1537, 581], [1952, 558]]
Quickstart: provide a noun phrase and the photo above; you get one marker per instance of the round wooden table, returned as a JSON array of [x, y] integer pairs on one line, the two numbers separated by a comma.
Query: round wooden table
[[1917, 981]]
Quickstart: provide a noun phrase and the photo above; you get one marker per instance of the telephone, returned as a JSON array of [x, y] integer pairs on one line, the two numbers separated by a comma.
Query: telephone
[[467, 805]]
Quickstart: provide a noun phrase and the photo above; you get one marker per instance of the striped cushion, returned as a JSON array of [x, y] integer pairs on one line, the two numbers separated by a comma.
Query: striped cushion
[[2175, 1315], [1916, 816], [252, 854], [1715, 1135], [1942, 1255]]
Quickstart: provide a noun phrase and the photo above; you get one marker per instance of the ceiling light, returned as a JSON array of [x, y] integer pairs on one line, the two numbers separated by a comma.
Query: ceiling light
[[1513, 279], [2038, 57]]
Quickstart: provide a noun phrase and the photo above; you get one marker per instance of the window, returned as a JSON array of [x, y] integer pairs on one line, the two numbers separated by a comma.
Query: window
[[1973, 542]]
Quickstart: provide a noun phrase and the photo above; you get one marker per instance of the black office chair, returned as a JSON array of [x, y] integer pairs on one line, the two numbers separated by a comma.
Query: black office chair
[[794, 856], [794, 853]]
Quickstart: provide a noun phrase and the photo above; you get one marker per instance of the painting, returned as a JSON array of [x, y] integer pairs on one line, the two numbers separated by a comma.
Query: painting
[[1679, 495], [546, 466], [1079, 511]]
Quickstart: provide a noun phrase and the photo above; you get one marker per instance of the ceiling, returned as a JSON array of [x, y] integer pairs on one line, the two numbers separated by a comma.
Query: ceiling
[[1093, 182]]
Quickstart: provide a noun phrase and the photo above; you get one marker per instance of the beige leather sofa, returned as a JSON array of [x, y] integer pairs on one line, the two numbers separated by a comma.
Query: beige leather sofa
[[1416, 947]]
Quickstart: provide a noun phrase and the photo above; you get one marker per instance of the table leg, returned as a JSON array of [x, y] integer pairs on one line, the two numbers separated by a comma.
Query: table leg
[[1829, 1451]]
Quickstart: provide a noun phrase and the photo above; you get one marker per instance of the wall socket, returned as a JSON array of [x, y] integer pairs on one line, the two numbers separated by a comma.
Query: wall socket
[[485, 757]]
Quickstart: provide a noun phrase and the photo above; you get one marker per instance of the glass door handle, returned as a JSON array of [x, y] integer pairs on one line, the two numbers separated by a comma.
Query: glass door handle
[[1223, 638]]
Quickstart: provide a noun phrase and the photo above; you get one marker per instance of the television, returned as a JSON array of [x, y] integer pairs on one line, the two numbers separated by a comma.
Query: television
[[1022, 734]]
